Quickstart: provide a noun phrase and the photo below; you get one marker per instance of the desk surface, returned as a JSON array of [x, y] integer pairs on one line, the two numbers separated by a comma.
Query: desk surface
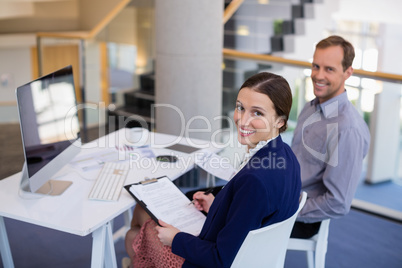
[[72, 211]]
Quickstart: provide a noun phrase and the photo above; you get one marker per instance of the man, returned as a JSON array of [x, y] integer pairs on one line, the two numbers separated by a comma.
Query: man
[[330, 140]]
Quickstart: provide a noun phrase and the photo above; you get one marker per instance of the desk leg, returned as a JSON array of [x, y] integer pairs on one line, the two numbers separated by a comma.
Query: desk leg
[[103, 252], [121, 233], [5, 251], [128, 215]]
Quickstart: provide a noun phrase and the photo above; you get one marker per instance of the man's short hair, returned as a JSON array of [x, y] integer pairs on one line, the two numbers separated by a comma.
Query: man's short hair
[[348, 50]]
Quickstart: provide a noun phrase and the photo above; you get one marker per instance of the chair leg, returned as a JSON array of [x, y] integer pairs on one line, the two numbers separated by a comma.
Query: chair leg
[[310, 259], [320, 259]]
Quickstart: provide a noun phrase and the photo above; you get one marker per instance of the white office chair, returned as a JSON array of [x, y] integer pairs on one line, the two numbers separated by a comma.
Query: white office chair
[[316, 244], [266, 247]]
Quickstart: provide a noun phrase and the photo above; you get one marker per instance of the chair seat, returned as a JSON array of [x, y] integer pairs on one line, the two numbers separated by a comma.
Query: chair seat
[[302, 244]]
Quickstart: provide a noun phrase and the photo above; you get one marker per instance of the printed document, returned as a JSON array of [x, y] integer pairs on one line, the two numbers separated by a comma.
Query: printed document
[[214, 164], [162, 199]]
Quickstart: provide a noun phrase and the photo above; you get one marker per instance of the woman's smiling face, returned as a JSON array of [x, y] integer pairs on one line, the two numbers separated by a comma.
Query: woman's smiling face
[[255, 118]]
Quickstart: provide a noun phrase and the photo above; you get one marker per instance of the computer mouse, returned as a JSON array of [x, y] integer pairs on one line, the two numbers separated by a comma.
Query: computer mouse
[[167, 158]]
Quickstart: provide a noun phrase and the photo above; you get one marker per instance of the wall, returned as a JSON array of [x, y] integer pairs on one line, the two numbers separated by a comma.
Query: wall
[[15, 70], [94, 11], [385, 11], [42, 16], [122, 29]]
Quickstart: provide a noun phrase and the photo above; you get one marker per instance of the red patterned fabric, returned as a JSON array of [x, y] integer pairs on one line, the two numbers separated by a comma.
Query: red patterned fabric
[[150, 252]]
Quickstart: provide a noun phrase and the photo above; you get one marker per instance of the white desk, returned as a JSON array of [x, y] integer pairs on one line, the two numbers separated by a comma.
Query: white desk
[[72, 212]]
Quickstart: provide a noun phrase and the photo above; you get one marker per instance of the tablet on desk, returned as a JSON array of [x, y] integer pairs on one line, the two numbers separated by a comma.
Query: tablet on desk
[[182, 148]]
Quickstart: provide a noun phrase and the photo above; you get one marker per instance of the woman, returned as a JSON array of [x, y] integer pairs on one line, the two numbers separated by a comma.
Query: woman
[[265, 190]]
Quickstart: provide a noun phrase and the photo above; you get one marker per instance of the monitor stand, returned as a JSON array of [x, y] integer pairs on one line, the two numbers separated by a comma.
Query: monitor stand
[[50, 188], [53, 187]]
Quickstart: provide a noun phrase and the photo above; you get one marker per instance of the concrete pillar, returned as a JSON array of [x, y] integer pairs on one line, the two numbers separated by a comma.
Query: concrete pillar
[[384, 130], [189, 42], [383, 158]]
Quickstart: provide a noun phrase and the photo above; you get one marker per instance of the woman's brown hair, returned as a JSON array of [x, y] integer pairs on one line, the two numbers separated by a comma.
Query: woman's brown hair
[[277, 89]]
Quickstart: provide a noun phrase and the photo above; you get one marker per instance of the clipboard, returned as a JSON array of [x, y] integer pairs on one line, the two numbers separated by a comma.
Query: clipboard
[[162, 199], [139, 201]]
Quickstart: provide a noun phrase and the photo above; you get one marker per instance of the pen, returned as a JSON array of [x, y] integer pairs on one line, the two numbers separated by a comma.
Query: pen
[[207, 192]]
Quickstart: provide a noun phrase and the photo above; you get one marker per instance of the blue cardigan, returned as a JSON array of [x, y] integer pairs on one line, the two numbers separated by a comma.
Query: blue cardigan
[[264, 192]]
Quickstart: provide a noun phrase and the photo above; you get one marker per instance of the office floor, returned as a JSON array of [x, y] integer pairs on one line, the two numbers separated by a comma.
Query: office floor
[[11, 156]]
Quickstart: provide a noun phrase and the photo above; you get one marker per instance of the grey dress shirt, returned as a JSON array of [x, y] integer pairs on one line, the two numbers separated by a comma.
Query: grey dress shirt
[[330, 142]]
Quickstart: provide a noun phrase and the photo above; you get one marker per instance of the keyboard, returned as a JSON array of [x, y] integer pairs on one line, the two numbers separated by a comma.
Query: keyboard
[[110, 181]]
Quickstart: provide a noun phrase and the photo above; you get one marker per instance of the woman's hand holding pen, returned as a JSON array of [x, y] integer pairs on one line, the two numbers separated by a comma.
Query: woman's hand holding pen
[[203, 200]]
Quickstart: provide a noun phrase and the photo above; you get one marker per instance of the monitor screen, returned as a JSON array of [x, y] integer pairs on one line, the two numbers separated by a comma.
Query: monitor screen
[[49, 126]]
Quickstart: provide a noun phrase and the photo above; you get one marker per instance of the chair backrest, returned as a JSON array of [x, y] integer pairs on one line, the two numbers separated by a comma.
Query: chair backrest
[[266, 247]]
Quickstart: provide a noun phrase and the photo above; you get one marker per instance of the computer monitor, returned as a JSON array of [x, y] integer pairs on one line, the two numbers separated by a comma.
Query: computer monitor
[[50, 130]]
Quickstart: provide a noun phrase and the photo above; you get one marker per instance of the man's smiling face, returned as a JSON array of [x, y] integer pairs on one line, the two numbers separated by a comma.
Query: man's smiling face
[[327, 73]]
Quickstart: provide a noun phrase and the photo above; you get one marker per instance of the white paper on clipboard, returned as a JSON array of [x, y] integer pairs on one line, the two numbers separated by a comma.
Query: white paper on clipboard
[[162, 199]]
